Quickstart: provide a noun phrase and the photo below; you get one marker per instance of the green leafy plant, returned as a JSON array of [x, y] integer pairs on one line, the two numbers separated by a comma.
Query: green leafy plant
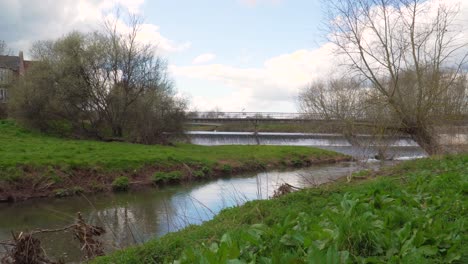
[[68, 192], [227, 169], [419, 219], [206, 170], [121, 183], [199, 174]]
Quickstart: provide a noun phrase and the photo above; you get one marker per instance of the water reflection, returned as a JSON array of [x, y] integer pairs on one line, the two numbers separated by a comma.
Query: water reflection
[[131, 218]]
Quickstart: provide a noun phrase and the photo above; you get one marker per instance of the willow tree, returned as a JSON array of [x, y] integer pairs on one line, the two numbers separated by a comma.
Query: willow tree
[[411, 54]]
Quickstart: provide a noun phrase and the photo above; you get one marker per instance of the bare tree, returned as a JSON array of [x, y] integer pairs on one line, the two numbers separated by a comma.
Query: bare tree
[[352, 107], [214, 113], [3, 47], [412, 56]]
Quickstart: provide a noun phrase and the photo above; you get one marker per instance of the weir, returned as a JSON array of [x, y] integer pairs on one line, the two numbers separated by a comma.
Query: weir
[[396, 147]]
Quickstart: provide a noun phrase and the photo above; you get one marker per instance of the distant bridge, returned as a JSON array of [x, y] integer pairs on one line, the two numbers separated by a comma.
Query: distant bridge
[[265, 116], [216, 118], [203, 117]]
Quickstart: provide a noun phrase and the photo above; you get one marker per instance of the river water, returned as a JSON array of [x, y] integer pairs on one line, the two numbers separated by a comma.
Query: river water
[[135, 217]]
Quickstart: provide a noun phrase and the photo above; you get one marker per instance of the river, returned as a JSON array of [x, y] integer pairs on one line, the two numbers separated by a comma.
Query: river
[[135, 217]]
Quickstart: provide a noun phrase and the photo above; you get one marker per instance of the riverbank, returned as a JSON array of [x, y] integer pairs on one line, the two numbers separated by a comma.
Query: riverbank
[[34, 165], [415, 212]]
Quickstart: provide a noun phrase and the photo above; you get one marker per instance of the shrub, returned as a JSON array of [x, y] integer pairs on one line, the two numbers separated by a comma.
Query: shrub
[[68, 192], [297, 162], [121, 184], [227, 169], [206, 170], [97, 187], [61, 193], [77, 190], [199, 174], [10, 175]]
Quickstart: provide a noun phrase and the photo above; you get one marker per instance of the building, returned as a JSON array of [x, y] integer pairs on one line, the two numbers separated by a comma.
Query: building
[[11, 68]]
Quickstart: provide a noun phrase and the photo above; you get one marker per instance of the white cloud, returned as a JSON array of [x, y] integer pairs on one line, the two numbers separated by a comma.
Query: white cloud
[[275, 85], [253, 3], [277, 82], [25, 21], [149, 34], [204, 58]]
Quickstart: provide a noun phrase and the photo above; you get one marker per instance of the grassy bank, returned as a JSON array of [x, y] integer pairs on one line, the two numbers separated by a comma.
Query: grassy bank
[[413, 213], [34, 165]]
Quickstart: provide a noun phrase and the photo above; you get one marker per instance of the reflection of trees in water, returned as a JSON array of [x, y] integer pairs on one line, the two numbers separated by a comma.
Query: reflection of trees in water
[[136, 220]]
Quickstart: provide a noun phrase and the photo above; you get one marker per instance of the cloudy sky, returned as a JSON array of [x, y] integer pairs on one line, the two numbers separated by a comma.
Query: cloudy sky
[[231, 54]]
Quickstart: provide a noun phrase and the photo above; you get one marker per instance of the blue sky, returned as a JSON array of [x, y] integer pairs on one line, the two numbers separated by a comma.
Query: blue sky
[[232, 55], [239, 34], [234, 29], [226, 54]]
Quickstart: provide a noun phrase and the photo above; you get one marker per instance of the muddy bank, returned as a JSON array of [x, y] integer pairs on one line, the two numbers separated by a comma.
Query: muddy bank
[[27, 182]]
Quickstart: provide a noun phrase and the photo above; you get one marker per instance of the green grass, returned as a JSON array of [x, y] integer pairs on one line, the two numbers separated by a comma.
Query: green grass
[[414, 213], [34, 165], [165, 177], [21, 147]]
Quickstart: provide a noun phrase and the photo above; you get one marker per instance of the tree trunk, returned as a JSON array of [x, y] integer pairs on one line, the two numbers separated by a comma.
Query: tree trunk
[[117, 131], [426, 139]]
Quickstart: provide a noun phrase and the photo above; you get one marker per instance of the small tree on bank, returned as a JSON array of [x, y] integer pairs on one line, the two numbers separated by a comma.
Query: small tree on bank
[[411, 56], [355, 110], [103, 84]]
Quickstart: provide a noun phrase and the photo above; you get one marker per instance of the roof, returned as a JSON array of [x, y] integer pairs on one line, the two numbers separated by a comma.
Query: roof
[[9, 62]]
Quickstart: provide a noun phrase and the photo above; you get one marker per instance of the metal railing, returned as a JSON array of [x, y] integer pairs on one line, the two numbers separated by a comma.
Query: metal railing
[[212, 115], [252, 116]]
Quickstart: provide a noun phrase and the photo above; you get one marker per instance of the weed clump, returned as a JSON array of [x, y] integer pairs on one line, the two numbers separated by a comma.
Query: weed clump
[[121, 184], [199, 174], [206, 170], [68, 192], [166, 177], [227, 169], [297, 163], [11, 174]]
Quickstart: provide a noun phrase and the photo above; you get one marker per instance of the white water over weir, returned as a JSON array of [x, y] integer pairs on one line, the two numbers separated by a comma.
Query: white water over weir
[[397, 147]]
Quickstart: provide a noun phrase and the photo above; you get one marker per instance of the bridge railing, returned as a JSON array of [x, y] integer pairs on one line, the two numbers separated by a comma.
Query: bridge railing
[[253, 115]]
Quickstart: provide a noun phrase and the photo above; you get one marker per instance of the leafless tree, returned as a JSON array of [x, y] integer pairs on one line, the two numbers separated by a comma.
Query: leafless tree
[[352, 107], [214, 113], [3, 47], [412, 56]]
